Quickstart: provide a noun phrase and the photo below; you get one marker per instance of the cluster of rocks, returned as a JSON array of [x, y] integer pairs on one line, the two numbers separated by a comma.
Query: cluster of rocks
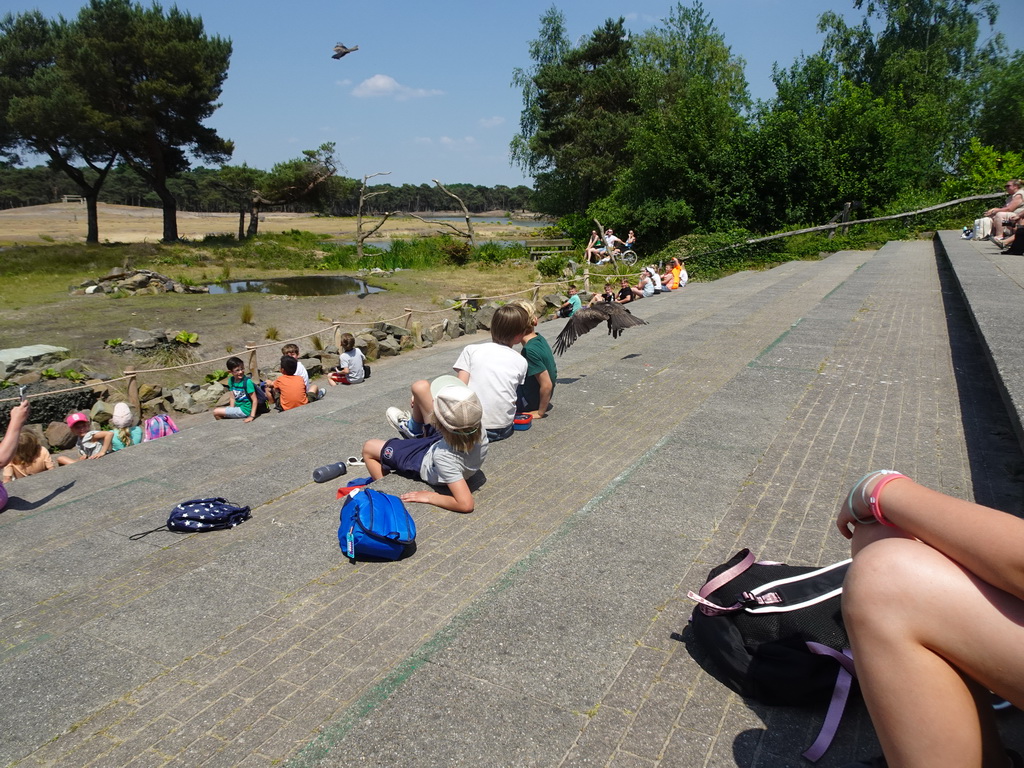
[[24, 367], [145, 342], [135, 281]]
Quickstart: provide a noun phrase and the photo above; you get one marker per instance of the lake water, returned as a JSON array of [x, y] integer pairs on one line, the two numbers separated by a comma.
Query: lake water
[[306, 285]]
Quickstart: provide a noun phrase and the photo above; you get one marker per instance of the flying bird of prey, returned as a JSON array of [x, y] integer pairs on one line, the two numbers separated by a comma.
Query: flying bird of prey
[[340, 50], [587, 318]]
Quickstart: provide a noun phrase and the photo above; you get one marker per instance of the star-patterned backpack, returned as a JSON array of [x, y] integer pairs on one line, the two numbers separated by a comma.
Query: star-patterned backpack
[[200, 515]]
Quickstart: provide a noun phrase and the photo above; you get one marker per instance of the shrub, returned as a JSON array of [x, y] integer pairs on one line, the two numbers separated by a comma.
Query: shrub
[[247, 314], [272, 334], [552, 266], [455, 251]]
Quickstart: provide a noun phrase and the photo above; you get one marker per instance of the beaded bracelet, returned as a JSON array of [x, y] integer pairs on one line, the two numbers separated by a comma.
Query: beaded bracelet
[[876, 494]]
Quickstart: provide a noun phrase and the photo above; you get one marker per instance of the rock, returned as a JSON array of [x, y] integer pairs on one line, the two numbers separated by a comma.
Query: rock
[[369, 346], [101, 412], [483, 316], [392, 330], [378, 334], [150, 392], [181, 400], [59, 436], [69, 365], [153, 407], [32, 358], [28, 378], [210, 395], [554, 300], [434, 333], [314, 367], [468, 324], [390, 348]]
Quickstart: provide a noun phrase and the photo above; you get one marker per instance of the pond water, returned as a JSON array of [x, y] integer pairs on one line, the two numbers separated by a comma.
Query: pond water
[[307, 285], [532, 223]]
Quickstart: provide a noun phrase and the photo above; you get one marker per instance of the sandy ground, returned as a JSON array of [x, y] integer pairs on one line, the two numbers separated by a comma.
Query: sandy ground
[[66, 222]]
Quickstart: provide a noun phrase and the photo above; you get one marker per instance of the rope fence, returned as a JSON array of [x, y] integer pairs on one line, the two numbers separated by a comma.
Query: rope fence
[[131, 375]]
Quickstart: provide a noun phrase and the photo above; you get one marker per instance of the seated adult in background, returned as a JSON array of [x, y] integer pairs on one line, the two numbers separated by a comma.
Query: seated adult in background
[[991, 222], [594, 252], [613, 246], [934, 607]]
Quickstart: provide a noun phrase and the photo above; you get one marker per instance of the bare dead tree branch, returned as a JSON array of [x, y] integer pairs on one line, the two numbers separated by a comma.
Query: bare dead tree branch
[[465, 211], [363, 197], [458, 231]]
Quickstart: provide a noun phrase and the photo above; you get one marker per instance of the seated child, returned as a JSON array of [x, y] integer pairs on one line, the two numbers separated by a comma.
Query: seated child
[[492, 369], [608, 296], [350, 369], [451, 450], [243, 394], [92, 443], [125, 431], [30, 457], [313, 392], [568, 309], [289, 389], [533, 396], [627, 293]]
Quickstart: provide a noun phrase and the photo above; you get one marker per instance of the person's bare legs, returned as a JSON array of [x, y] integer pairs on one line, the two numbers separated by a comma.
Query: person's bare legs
[[916, 619], [371, 457], [422, 401]]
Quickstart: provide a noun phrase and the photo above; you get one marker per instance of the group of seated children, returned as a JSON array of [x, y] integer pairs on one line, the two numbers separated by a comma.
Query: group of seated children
[[444, 436], [649, 283], [292, 387], [30, 457]]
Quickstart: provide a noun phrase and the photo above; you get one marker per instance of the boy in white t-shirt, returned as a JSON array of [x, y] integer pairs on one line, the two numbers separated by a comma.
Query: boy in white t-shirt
[[350, 368], [493, 369]]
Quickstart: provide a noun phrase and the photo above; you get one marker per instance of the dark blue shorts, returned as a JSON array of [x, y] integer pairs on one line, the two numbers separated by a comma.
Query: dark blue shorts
[[405, 455], [494, 435]]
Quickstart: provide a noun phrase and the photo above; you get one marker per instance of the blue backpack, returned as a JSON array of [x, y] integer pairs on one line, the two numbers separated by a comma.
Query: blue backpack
[[375, 524]]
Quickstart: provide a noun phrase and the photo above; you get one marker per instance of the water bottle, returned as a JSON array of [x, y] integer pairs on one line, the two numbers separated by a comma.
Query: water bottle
[[329, 472]]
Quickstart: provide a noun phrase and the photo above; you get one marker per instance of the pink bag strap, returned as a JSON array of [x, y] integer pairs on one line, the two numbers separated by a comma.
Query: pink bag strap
[[705, 605]]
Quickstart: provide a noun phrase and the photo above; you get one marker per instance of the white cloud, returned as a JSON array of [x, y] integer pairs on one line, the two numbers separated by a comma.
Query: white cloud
[[385, 85], [343, 83], [448, 141], [491, 122]]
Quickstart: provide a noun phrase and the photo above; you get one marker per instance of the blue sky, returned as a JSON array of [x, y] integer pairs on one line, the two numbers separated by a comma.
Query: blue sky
[[428, 93]]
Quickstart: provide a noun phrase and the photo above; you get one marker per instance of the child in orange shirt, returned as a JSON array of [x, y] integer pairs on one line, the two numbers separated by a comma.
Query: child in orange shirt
[[289, 389]]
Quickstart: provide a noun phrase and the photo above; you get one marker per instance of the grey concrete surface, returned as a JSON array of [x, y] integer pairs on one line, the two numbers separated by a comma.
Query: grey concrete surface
[[549, 626]]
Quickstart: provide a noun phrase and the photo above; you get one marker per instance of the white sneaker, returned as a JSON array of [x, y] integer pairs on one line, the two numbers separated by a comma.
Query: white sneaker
[[399, 419]]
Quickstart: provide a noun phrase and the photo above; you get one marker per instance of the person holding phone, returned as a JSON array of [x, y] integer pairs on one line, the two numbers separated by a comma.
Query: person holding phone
[[19, 415]]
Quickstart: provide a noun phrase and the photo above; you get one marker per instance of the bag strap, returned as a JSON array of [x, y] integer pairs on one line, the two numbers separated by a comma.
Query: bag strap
[[137, 536], [712, 609], [840, 695]]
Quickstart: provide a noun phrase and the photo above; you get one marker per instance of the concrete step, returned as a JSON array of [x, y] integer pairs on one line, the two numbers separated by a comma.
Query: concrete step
[[519, 633]]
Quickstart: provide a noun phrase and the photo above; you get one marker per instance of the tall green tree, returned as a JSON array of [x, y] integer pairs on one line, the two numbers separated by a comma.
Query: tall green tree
[[690, 96], [45, 111], [584, 107], [151, 78], [548, 49]]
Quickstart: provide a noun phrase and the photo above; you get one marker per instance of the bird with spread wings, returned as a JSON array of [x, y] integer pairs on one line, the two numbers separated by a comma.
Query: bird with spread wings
[[340, 50], [587, 318]]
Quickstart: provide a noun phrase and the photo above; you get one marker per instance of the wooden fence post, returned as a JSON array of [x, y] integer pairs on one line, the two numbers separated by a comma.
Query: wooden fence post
[[586, 280], [253, 368], [408, 317], [337, 335], [536, 291], [133, 391]]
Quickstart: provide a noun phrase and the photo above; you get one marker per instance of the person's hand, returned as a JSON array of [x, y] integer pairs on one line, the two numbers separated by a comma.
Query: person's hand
[[96, 455], [19, 413], [416, 496]]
